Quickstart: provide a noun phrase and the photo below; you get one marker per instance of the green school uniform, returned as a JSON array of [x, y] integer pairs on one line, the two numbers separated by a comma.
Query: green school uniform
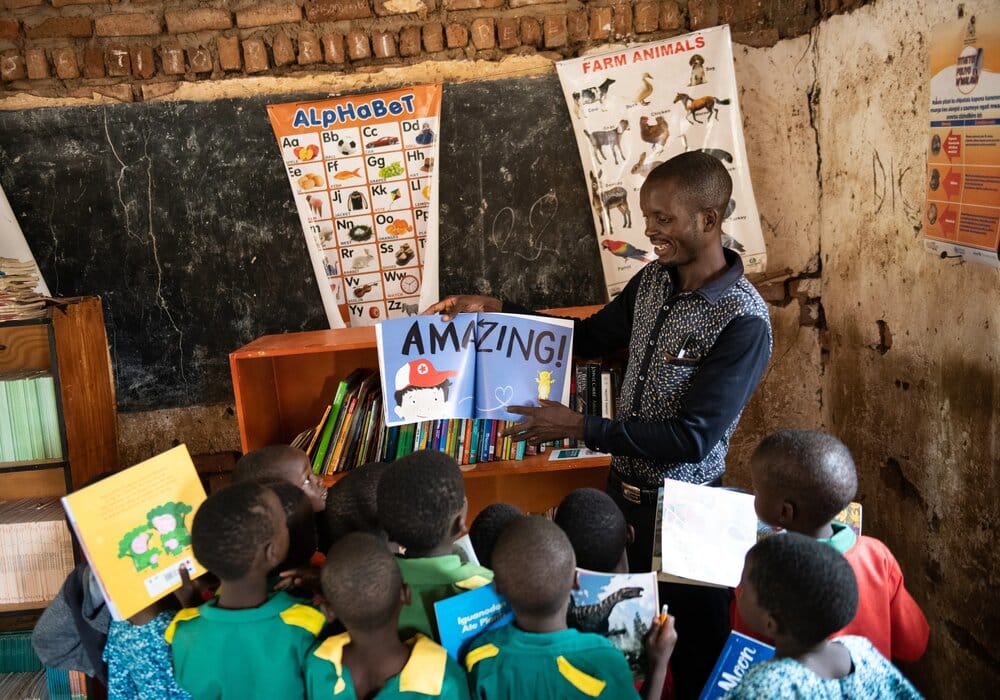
[[432, 579], [510, 664], [429, 672], [254, 653]]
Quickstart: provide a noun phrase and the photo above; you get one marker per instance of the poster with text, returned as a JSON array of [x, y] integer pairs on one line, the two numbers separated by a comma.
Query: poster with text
[[635, 108], [363, 171], [962, 213]]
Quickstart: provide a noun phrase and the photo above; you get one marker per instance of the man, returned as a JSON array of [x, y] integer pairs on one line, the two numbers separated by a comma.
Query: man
[[698, 339]]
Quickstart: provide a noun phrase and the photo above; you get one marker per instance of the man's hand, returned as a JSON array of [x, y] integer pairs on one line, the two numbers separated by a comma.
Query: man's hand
[[463, 303], [549, 421]]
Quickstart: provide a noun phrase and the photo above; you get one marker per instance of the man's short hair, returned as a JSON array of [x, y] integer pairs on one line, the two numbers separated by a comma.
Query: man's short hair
[[534, 566], [419, 496], [702, 178], [267, 463], [596, 528], [806, 585], [486, 529], [811, 469], [351, 502], [231, 527], [361, 581]]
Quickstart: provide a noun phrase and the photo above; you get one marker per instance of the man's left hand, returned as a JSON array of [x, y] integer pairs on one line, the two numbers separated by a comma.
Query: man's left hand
[[549, 421]]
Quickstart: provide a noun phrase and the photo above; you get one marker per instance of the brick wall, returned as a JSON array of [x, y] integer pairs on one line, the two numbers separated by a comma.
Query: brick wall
[[136, 49]]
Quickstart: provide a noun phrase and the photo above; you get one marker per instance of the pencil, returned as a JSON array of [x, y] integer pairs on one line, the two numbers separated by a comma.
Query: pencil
[[663, 615]]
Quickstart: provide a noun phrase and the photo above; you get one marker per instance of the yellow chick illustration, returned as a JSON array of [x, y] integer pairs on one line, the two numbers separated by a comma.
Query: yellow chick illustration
[[544, 381]]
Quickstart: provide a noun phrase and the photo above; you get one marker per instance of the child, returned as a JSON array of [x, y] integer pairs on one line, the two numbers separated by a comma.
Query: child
[[364, 589], [596, 528], [138, 656], [798, 592], [282, 463], [537, 656], [244, 643], [295, 574], [802, 479], [487, 526], [422, 506], [351, 502]]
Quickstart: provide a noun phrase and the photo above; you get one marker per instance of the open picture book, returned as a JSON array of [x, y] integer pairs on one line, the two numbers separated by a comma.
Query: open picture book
[[135, 529], [473, 366]]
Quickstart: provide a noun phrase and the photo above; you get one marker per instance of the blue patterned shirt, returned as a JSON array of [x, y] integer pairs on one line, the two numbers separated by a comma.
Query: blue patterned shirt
[[678, 409], [139, 661], [872, 677]]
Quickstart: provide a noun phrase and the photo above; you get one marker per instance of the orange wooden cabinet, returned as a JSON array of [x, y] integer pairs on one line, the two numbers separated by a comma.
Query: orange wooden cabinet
[[283, 383]]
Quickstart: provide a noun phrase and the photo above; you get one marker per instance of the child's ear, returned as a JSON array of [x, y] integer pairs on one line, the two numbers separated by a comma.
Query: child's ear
[[327, 611], [771, 626], [576, 580], [630, 535], [405, 595], [788, 513], [458, 526]]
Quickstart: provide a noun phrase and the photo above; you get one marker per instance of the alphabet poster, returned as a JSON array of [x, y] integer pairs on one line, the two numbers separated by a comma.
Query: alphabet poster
[[363, 171], [962, 212], [473, 366], [637, 107]]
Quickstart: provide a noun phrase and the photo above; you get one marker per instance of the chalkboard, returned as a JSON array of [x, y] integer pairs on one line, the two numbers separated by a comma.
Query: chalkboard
[[179, 214]]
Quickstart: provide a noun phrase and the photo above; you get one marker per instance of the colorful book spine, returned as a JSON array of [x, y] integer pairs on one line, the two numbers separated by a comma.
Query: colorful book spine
[[474, 441]]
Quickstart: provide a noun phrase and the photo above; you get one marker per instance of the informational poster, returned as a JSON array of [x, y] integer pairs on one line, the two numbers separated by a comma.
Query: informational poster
[[634, 108], [962, 213], [363, 171]]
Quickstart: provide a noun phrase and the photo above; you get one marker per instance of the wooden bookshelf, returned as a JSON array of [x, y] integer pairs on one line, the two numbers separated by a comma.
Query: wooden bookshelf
[[69, 342], [283, 383]]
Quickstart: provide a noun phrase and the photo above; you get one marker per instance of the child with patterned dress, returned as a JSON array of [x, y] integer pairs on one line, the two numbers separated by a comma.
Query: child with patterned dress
[[422, 506], [364, 590], [802, 479], [537, 656], [138, 656], [246, 642], [798, 591]]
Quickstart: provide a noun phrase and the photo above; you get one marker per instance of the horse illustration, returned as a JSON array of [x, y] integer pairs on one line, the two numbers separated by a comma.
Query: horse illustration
[[693, 106]]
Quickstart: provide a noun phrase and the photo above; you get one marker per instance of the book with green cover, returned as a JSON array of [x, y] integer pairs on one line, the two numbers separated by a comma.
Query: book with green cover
[[7, 452], [34, 419], [45, 389], [17, 407], [331, 421]]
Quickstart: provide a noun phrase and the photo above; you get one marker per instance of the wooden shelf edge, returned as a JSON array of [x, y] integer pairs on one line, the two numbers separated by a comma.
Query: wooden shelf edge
[[24, 607], [29, 465], [531, 465]]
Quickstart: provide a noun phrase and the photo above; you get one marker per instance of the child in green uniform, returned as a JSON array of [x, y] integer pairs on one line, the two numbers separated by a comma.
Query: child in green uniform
[[244, 643], [363, 588], [422, 506], [596, 528], [351, 505], [537, 656]]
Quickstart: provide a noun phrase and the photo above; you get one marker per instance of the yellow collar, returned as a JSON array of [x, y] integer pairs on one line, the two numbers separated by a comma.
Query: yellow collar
[[423, 672]]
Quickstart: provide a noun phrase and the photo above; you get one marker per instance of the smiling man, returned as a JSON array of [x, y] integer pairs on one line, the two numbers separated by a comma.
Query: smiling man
[[698, 338]]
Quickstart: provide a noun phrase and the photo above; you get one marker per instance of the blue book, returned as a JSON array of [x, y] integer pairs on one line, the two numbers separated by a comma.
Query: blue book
[[740, 653], [473, 366], [474, 442], [463, 617]]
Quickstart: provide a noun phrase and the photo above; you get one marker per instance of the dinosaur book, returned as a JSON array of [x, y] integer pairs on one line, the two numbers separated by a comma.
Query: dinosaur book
[[473, 366], [135, 529], [619, 607]]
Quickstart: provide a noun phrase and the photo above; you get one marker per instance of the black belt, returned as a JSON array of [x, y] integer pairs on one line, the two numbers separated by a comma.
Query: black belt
[[641, 496]]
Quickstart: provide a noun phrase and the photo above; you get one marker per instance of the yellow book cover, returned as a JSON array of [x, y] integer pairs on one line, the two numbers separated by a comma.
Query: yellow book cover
[[135, 529]]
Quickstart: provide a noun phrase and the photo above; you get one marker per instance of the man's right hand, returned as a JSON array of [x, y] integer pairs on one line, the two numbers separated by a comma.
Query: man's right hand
[[463, 303]]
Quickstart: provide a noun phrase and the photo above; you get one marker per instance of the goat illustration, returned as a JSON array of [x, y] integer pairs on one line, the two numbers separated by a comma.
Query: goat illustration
[[693, 106], [604, 202], [611, 137]]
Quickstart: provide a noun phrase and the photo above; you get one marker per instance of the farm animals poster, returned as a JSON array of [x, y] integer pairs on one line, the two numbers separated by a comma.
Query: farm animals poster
[[962, 210], [637, 107], [365, 186]]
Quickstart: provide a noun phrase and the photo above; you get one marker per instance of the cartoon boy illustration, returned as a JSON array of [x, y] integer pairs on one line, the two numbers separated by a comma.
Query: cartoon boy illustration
[[421, 391]]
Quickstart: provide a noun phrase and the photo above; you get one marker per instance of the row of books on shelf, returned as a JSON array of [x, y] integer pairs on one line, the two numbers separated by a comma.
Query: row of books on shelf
[[29, 417], [36, 552], [352, 429]]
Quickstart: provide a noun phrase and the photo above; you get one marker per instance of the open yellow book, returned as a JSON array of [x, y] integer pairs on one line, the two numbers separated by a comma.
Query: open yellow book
[[135, 529]]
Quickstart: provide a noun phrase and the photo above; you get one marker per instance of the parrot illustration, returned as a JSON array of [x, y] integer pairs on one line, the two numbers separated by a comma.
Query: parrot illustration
[[624, 249]]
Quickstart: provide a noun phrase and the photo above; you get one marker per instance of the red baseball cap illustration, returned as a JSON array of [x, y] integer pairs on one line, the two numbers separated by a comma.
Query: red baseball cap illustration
[[421, 374]]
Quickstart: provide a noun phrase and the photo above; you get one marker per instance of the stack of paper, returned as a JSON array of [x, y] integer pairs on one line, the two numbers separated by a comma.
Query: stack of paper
[[18, 298]]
